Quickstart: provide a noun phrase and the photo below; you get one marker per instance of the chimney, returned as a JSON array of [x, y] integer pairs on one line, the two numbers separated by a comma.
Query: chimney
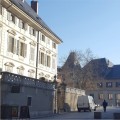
[[34, 5]]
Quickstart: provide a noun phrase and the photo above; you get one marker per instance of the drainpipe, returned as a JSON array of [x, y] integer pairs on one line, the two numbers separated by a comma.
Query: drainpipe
[[37, 55]]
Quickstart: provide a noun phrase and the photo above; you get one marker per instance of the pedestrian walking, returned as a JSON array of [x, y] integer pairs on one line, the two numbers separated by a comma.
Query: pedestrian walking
[[105, 104]]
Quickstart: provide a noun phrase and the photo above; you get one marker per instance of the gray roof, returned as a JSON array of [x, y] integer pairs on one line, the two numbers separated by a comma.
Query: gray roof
[[24, 6], [114, 72], [104, 68], [72, 62]]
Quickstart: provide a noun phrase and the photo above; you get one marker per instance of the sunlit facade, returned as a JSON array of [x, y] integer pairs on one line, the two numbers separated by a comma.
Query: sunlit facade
[[28, 47]]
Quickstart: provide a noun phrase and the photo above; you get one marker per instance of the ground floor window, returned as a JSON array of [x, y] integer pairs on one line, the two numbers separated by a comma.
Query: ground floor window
[[110, 96], [101, 96]]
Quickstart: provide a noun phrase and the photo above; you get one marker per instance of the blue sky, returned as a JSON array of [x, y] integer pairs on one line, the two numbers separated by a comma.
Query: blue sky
[[83, 24]]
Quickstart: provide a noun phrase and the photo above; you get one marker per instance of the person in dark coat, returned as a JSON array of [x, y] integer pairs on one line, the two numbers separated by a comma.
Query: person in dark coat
[[104, 105]]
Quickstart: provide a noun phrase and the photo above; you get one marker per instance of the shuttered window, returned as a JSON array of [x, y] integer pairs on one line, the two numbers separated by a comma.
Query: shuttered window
[[53, 63], [43, 38], [11, 45], [42, 58], [54, 45], [48, 61], [21, 49], [32, 31], [11, 17], [32, 53], [22, 25]]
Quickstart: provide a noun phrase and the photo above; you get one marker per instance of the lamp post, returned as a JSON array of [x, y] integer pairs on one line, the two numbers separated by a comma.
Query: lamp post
[[55, 82]]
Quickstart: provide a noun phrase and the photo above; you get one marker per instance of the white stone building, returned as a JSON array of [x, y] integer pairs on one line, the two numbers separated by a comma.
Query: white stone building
[[28, 46]]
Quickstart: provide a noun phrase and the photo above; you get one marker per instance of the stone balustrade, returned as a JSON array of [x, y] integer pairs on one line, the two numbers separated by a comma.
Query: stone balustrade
[[25, 81]]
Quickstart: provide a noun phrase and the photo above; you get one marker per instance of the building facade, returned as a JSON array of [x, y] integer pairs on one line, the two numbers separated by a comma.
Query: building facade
[[28, 45], [28, 60], [107, 81]]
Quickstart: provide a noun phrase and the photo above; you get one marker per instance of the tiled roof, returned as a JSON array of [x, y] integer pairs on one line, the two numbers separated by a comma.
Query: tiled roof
[[72, 62], [104, 68], [24, 6], [114, 72]]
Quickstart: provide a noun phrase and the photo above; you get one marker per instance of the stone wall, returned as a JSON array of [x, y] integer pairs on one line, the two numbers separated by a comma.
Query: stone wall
[[41, 94], [71, 96]]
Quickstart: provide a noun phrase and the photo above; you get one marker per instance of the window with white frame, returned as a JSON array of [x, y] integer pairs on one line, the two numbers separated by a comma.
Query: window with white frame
[[54, 45], [48, 41], [53, 63], [11, 17], [42, 58], [110, 96], [22, 25], [11, 44], [32, 31], [32, 53], [43, 38], [48, 61], [22, 48]]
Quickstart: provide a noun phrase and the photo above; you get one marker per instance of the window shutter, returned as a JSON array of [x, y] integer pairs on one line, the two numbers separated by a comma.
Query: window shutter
[[2, 10], [16, 20], [29, 29], [26, 26], [18, 47], [9, 16], [45, 60], [14, 51], [25, 50], [34, 32], [8, 47], [20, 23], [39, 57]]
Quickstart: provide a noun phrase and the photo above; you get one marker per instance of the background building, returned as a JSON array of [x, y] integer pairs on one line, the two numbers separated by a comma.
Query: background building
[[99, 78], [107, 80]]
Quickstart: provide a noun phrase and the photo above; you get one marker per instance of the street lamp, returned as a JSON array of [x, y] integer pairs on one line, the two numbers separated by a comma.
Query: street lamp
[[55, 83]]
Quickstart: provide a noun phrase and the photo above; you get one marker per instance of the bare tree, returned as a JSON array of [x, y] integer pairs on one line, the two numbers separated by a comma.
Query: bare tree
[[75, 75]]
